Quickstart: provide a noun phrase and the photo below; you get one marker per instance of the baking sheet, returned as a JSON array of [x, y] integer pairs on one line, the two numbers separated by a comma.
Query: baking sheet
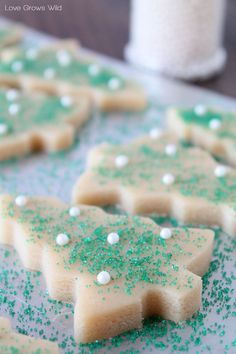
[[23, 295]]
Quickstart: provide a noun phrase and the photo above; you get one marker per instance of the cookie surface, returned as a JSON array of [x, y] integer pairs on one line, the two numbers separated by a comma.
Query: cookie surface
[[117, 269], [16, 343], [213, 130], [60, 69], [161, 176], [9, 34], [32, 122]]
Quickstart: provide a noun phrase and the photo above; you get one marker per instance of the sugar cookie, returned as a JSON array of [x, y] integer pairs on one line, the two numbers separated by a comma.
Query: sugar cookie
[[10, 34], [30, 122], [186, 183], [16, 343], [213, 130], [60, 69], [118, 269]]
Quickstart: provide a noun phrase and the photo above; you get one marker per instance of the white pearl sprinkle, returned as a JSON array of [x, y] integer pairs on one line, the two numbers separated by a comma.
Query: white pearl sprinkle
[[74, 211], [3, 129], [49, 73], [63, 57], [168, 179], [221, 171], [13, 109], [66, 101], [200, 109], [215, 124], [17, 66], [114, 83], [12, 94], [165, 233], [31, 53], [62, 239], [121, 161], [170, 149], [113, 238], [21, 200], [94, 69], [155, 133], [103, 278]]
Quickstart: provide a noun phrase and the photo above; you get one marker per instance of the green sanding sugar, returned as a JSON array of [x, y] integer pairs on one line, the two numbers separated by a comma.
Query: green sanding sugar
[[30, 111], [227, 121], [148, 163], [141, 256], [23, 295], [63, 65], [208, 331]]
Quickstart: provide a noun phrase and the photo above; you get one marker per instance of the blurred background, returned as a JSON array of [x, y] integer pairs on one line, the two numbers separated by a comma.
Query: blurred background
[[103, 26]]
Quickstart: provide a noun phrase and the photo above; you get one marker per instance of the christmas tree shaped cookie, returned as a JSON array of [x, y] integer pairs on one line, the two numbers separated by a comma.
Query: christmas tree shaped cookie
[[118, 269], [16, 343], [30, 122], [60, 69], [213, 130], [160, 176], [9, 34]]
